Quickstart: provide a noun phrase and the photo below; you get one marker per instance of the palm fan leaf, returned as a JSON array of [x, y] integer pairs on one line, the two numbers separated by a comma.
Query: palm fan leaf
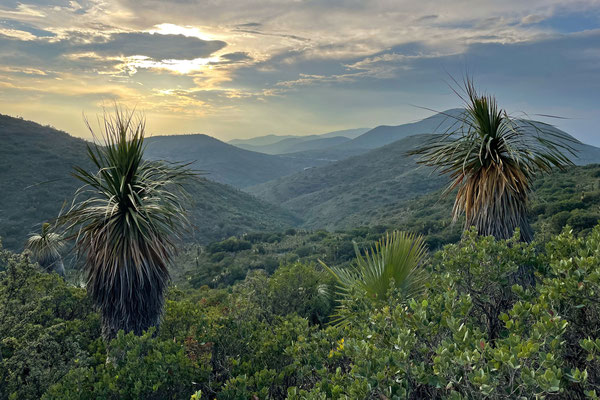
[[397, 257]]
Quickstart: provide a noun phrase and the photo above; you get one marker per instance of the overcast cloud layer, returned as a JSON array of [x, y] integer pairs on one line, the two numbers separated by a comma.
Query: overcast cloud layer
[[247, 68]]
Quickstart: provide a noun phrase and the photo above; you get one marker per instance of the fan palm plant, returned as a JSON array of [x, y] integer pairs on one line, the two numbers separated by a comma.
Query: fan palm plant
[[397, 257], [124, 220], [45, 248], [492, 159]]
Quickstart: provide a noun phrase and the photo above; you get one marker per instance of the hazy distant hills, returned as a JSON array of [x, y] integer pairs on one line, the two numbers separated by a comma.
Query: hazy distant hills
[[35, 179], [297, 144], [260, 140], [223, 162], [378, 137], [272, 144], [270, 139], [382, 135]]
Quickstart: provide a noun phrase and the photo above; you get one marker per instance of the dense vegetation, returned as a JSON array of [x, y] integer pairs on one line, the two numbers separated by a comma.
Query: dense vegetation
[[224, 263], [563, 197], [472, 334]]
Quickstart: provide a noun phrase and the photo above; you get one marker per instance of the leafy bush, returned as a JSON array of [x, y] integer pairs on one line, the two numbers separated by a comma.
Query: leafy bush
[[229, 245], [46, 328], [138, 367]]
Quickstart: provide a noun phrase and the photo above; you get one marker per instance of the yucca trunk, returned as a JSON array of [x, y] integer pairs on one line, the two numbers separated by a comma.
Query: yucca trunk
[[494, 202], [59, 267], [52, 263], [140, 310], [128, 292]]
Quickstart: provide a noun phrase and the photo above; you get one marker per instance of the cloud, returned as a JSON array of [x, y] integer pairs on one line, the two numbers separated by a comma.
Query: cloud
[[11, 24], [235, 57], [249, 25], [329, 61], [532, 19], [426, 18], [155, 46]]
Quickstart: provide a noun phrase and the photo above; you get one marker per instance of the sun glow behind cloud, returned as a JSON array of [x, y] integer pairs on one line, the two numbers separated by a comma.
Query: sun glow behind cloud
[[182, 67], [189, 31]]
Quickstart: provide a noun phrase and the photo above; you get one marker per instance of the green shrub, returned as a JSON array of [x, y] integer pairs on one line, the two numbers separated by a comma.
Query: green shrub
[[138, 367], [475, 333], [47, 328], [229, 245]]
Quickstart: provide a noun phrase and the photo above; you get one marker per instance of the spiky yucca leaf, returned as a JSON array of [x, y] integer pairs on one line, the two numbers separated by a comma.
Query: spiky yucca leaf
[[45, 247], [492, 159], [124, 220], [397, 257]]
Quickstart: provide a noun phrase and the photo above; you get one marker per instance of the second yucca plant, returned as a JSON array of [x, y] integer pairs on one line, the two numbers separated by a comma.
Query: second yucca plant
[[46, 247], [492, 160]]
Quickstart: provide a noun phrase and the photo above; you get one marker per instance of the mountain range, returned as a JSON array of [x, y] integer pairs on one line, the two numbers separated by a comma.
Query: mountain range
[[225, 163], [346, 184], [373, 138], [273, 144]]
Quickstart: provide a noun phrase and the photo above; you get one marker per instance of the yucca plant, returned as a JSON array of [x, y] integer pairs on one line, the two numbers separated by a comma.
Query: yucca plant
[[124, 221], [492, 159], [45, 248], [397, 257]]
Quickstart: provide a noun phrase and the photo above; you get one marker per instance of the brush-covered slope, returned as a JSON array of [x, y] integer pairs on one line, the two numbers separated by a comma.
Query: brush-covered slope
[[338, 194], [222, 162], [35, 180], [570, 197]]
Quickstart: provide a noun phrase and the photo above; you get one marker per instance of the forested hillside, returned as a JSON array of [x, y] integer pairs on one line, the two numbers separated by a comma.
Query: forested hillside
[[563, 198], [332, 196], [36, 164]]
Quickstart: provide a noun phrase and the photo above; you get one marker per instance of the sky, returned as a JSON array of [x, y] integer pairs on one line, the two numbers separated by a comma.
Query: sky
[[244, 68]]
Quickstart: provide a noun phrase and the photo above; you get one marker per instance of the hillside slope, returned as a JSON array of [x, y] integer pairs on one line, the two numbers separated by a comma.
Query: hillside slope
[[222, 162], [335, 195], [35, 176]]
